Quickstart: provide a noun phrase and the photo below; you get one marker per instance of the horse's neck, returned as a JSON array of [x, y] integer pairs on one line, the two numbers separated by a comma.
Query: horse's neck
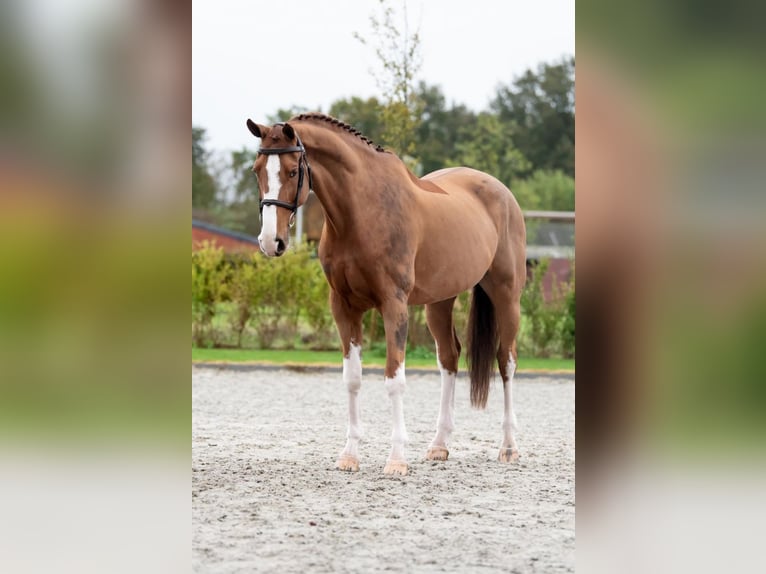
[[332, 188], [337, 168]]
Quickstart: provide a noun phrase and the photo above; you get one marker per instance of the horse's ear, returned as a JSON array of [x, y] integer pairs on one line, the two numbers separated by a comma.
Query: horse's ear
[[257, 130], [288, 131]]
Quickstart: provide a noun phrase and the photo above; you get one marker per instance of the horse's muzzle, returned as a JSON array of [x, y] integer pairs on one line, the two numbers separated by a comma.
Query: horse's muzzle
[[272, 247]]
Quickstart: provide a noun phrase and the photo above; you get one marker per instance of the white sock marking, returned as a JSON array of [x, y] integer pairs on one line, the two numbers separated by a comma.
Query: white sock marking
[[446, 421], [395, 387], [510, 425], [352, 376]]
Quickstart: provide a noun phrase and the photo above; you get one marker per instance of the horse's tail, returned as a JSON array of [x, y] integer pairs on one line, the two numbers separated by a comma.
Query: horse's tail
[[482, 346]]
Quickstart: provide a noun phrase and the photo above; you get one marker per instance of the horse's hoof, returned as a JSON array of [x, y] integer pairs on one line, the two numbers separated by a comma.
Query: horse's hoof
[[348, 463], [508, 455], [437, 453], [395, 468]]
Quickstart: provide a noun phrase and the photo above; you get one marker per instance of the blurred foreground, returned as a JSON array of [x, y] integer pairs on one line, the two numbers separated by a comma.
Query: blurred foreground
[[94, 215], [672, 287]]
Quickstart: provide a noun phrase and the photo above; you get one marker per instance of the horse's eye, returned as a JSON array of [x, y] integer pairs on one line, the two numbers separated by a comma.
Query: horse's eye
[[293, 172]]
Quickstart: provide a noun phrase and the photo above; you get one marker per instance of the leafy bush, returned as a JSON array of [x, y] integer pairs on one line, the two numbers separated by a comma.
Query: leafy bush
[[244, 290], [317, 309], [547, 326], [280, 294], [460, 314], [546, 189], [270, 298], [209, 287], [283, 302], [568, 323], [372, 329]]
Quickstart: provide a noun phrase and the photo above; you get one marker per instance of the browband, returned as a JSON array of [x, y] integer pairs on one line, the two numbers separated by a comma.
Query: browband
[[278, 150]]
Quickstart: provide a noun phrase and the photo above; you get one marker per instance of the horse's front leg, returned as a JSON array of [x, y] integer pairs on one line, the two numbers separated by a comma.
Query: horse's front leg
[[349, 324], [395, 323]]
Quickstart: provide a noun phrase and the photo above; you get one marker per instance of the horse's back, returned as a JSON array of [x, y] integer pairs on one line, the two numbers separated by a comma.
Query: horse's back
[[500, 205], [488, 190], [472, 180]]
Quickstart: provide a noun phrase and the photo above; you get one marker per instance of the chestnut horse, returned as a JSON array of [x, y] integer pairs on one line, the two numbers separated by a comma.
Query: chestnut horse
[[391, 240]]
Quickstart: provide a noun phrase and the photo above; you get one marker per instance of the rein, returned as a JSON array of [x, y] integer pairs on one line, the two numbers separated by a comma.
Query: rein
[[293, 207]]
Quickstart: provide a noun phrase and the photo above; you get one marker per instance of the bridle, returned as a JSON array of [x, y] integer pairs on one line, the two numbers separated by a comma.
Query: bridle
[[293, 207]]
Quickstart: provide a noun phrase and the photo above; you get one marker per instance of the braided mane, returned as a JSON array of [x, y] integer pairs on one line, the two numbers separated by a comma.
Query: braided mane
[[342, 125]]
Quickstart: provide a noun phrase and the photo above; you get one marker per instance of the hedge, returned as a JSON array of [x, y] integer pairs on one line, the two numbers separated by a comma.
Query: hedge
[[247, 300]]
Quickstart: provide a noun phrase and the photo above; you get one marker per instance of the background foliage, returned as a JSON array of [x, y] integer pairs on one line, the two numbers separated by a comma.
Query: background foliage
[[525, 137], [248, 301]]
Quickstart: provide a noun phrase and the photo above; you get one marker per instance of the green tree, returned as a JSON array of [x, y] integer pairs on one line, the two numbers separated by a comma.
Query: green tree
[[244, 182], [23, 96], [546, 189], [540, 106], [240, 210], [284, 114], [439, 128], [364, 115], [398, 53], [204, 186], [488, 146]]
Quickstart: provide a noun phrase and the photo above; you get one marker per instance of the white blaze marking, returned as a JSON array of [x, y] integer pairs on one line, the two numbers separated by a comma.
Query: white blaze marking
[[352, 376], [268, 235], [395, 387], [273, 166]]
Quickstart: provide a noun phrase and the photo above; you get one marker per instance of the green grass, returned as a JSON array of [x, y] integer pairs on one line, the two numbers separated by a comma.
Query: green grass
[[371, 358]]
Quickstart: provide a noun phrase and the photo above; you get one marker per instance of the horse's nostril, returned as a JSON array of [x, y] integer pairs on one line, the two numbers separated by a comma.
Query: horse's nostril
[[280, 246]]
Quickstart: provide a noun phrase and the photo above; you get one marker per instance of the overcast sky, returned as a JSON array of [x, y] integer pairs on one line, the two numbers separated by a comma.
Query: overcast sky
[[252, 57]]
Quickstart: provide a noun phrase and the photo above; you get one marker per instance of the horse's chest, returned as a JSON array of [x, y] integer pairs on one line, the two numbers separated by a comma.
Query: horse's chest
[[347, 279], [358, 284]]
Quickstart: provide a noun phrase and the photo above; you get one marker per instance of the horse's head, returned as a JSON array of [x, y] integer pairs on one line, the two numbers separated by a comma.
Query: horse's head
[[281, 167]]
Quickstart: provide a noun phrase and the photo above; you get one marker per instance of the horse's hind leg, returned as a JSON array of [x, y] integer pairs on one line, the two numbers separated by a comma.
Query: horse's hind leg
[[508, 327], [439, 319], [349, 323], [506, 301]]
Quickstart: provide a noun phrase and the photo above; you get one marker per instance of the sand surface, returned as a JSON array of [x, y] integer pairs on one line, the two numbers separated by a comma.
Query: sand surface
[[266, 496]]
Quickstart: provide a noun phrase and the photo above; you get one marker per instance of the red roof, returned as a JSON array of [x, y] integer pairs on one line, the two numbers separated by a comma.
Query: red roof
[[231, 241]]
